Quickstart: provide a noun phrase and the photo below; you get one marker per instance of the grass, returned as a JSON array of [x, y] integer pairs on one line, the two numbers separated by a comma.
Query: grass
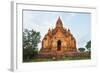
[[58, 59], [77, 56]]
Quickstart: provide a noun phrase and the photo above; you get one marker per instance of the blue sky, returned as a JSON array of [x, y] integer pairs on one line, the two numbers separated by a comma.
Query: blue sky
[[78, 23]]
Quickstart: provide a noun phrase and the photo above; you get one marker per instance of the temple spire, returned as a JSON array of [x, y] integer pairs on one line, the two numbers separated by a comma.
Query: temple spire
[[59, 22]]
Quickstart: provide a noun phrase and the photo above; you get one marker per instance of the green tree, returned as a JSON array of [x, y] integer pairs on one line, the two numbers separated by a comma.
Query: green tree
[[88, 45], [31, 39], [81, 49]]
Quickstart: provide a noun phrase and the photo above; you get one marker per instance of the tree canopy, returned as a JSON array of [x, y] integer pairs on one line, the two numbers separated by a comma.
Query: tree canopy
[[88, 45], [31, 39], [81, 49]]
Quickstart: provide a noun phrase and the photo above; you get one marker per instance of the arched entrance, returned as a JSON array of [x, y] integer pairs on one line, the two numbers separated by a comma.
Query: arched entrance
[[58, 45]]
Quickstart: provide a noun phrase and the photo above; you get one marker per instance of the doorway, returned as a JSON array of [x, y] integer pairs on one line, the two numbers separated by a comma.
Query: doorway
[[58, 45]]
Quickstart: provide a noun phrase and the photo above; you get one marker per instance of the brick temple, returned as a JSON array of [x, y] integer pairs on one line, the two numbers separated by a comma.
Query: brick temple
[[58, 40]]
